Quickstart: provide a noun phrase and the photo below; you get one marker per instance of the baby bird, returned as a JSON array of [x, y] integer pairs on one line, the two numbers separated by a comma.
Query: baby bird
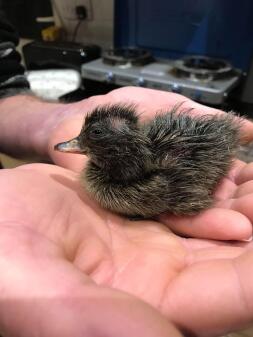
[[172, 163]]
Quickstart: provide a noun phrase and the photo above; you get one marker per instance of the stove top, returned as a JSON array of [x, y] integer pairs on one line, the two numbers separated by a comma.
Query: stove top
[[200, 78]]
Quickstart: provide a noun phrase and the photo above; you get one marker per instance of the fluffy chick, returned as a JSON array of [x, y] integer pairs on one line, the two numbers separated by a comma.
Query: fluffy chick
[[172, 163]]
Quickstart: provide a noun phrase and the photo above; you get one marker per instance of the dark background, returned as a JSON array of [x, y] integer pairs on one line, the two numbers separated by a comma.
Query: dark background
[[22, 14]]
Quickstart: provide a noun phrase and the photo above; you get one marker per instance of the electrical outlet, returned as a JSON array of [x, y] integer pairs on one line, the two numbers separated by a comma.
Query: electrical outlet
[[67, 10]]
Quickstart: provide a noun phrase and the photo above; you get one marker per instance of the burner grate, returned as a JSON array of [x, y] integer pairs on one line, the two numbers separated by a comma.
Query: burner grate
[[127, 56], [202, 68]]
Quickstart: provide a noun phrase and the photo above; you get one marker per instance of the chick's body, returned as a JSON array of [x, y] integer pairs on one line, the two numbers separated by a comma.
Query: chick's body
[[172, 163]]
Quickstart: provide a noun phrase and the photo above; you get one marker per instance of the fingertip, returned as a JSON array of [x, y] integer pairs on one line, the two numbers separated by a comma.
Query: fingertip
[[249, 239], [240, 226], [214, 224]]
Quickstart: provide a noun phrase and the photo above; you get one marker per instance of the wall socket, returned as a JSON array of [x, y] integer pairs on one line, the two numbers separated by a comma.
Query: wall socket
[[66, 8]]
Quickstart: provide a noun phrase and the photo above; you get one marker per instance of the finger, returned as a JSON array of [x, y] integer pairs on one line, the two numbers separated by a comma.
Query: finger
[[244, 189], [212, 298], [243, 205], [245, 174], [205, 244], [235, 170], [215, 223], [227, 187], [45, 295]]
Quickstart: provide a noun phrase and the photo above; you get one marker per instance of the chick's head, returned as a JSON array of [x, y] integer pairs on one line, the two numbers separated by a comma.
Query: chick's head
[[110, 134]]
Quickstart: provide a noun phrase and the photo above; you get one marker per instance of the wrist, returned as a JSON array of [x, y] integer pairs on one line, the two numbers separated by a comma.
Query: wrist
[[25, 125]]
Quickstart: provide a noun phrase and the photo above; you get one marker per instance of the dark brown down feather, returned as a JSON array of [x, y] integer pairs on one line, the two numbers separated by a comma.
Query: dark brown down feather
[[172, 163]]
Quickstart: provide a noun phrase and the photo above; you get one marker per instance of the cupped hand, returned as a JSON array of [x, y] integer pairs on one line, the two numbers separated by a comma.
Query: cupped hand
[[59, 260], [228, 219], [70, 268]]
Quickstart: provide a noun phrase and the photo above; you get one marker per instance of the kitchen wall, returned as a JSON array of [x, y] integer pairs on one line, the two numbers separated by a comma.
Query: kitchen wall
[[99, 30]]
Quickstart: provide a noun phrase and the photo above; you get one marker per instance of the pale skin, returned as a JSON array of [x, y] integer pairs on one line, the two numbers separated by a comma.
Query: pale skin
[[70, 268]]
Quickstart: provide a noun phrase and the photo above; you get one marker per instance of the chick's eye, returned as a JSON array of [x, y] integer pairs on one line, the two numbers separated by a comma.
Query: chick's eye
[[96, 132]]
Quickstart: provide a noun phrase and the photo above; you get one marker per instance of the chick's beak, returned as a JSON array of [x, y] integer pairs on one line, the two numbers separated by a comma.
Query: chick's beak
[[71, 146]]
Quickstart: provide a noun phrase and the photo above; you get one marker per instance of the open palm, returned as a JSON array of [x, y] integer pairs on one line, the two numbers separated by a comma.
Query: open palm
[[61, 245], [70, 268]]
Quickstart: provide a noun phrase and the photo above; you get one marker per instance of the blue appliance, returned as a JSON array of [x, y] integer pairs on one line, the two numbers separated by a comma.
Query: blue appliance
[[173, 29]]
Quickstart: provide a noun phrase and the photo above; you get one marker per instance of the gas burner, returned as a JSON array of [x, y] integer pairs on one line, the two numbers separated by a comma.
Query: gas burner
[[202, 68], [202, 79], [127, 57]]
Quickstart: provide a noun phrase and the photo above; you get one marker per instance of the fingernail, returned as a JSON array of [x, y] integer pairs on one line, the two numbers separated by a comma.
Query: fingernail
[[248, 240]]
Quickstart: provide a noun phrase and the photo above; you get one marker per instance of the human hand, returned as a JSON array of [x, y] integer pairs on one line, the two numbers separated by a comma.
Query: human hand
[[226, 220], [70, 268], [56, 263], [28, 124]]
